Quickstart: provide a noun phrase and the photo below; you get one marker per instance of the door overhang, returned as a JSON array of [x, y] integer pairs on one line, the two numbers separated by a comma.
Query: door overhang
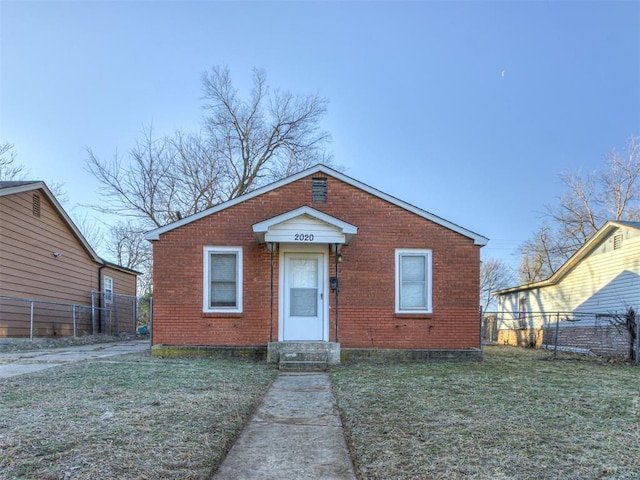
[[304, 225]]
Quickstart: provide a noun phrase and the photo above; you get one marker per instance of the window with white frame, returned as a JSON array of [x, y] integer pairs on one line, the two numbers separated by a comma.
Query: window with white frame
[[108, 289], [413, 281], [222, 279]]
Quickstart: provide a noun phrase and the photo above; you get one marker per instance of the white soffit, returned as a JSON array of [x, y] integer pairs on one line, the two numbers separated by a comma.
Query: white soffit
[[304, 225]]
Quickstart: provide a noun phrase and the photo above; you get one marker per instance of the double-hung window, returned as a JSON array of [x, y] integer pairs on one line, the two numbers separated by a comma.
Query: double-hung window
[[108, 289], [222, 279], [413, 281]]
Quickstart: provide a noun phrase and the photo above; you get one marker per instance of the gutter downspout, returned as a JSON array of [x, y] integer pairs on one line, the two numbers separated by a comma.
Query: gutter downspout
[[271, 249], [337, 290]]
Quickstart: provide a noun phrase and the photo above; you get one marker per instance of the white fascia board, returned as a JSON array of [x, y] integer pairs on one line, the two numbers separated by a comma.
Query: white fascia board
[[572, 261], [306, 210], [33, 186], [346, 230], [155, 234], [477, 238], [25, 187]]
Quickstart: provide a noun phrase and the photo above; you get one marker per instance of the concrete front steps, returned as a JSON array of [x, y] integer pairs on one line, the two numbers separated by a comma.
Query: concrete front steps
[[303, 356], [303, 362]]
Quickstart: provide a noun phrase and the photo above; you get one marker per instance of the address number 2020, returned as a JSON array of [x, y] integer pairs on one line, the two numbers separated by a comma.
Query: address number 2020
[[303, 237]]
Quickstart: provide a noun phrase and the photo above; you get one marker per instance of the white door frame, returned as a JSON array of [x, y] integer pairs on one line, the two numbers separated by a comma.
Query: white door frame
[[323, 250]]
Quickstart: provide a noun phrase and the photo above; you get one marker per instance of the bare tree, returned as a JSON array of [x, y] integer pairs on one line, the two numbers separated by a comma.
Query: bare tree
[[264, 138], [540, 254], [141, 186], [244, 144], [127, 247], [495, 274], [9, 169], [626, 323], [91, 230], [589, 200]]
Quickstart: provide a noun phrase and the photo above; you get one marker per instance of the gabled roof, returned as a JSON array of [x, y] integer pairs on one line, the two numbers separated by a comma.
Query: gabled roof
[[13, 184], [11, 188], [477, 238], [576, 258], [346, 230]]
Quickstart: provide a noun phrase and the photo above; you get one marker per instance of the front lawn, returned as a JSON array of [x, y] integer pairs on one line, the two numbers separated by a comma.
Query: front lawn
[[515, 415], [132, 417]]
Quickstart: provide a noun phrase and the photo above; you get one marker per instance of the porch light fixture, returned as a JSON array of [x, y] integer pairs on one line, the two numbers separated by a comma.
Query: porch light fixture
[[339, 258]]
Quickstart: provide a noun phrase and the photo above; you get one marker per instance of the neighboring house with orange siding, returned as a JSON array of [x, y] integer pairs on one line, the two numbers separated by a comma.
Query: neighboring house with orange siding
[[317, 257], [44, 257]]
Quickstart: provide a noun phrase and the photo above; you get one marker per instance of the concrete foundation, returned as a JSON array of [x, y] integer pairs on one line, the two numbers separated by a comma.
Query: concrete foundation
[[275, 352], [391, 355], [248, 353]]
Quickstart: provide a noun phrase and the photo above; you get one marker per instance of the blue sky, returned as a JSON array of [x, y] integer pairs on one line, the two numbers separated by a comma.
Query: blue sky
[[467, 109]]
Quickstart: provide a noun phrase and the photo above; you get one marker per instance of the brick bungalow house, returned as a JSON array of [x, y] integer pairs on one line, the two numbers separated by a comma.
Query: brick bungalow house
[[317, 258]]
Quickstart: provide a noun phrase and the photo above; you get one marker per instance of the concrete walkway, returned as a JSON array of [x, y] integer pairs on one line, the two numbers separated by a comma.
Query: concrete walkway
[[18, 363], [296, 432]]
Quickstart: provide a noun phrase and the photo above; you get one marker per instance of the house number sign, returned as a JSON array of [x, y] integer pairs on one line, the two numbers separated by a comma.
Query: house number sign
[[303, 237]]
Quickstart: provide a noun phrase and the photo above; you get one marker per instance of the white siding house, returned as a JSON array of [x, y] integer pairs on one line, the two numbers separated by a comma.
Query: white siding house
[[600, 280]]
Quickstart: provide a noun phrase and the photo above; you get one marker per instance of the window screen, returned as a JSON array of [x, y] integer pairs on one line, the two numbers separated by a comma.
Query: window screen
[[413, 281], [108, 289], [223, 271], [303, 287]]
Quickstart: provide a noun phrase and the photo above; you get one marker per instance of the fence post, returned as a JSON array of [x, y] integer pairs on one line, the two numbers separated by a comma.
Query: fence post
[[555, 342], [482, 328], [31, 320], [151, 319], [635, 319], [93, 312], [74, 320]]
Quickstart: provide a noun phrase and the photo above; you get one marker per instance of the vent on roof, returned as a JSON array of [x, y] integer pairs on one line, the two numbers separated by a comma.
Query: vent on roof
[[36, 205], [319, 190], [617, 241]]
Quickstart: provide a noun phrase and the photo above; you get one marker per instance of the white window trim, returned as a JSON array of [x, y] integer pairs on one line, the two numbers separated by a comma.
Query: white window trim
[[108, 294], [427, 253], [206, 280]]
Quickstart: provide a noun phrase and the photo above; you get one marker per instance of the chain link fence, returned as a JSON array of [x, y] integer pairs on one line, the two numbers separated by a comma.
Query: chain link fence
[[590, 333], [108, 313]]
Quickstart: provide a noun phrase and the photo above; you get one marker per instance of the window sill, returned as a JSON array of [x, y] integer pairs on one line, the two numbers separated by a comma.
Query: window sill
[[222, 314], [425, 316]]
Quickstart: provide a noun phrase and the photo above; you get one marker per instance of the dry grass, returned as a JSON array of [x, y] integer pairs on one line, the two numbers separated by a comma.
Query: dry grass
[[40, 343], [516, 415], [139, 417]]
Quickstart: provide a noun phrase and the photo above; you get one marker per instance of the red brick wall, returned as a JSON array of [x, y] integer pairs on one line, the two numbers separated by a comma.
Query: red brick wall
[[367, 276]]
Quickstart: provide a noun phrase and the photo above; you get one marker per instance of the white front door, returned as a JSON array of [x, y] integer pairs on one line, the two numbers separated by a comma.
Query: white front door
[[303, 295]]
